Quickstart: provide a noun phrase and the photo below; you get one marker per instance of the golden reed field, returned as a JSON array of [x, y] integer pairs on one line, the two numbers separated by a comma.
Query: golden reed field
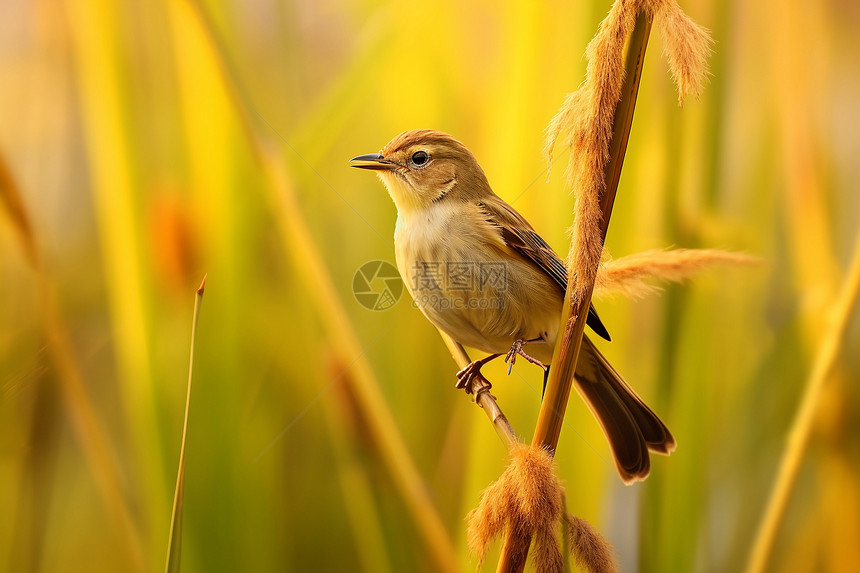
[[145, 145]]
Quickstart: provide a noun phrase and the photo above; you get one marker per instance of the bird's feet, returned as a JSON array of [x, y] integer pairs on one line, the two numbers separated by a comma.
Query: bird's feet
[[468, 376], [517, 349]]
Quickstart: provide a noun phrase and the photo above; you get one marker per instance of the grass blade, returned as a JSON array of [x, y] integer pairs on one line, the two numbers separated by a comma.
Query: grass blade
[[115, 190], [174, 541]]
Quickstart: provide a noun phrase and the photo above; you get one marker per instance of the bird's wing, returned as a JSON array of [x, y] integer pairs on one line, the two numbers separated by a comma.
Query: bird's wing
[[521, 237]]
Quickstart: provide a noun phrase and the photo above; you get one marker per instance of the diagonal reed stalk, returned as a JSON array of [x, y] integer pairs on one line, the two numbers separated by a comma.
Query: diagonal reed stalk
[[802, 426], [10, 198], [88, 431], [348, 435], [309, 266], [90, 434], [551, 416], [174, 541]]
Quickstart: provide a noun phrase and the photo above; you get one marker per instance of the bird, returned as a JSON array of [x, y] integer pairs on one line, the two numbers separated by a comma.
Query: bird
[[480, 273]]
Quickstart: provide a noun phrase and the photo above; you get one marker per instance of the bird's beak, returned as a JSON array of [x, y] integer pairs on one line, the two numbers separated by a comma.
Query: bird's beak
[[373, 161]]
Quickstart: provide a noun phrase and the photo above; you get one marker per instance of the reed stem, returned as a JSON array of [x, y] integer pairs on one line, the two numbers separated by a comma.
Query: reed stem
[[551, 416]]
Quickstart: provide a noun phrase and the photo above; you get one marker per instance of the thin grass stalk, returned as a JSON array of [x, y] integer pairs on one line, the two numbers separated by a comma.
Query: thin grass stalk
[[566, 353], [802, 426], [309, 266], [174, 541], [214, 164]]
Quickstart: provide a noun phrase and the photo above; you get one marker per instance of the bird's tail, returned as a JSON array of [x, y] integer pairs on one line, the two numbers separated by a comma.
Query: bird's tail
[[630, 426]]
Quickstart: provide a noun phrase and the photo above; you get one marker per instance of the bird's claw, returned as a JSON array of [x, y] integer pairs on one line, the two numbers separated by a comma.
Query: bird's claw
[[517, 349], [469, 375]]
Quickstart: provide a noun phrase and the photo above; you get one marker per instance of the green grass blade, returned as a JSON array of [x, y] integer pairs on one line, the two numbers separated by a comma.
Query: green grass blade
[[174, 541]]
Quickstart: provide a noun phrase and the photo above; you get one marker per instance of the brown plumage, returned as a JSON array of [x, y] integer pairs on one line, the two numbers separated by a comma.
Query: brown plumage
[[450, 224]]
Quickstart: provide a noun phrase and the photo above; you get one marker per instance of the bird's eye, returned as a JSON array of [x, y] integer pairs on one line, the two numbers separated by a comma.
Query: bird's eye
[[420, 159]]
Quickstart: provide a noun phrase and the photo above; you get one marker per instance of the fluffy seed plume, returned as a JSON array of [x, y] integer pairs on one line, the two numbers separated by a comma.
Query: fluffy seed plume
[[686, 46], [591, 551], [633, 275], [584, 124], [528, 499]]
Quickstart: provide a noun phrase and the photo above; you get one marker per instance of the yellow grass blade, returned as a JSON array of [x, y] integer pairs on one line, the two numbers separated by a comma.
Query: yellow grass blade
[[82, 415], [96, 52]]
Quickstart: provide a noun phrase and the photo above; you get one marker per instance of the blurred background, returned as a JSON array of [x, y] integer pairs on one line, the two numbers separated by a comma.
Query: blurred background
[[148, 143]]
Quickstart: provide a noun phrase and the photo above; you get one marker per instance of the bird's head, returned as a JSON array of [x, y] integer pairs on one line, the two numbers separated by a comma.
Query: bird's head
[[422, 167]]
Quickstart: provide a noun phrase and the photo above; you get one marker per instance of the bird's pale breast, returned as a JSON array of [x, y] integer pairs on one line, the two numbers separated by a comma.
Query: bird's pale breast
[[471, 285]]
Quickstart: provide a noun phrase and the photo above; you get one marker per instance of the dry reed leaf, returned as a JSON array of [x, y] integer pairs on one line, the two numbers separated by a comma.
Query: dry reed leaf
[[630, 275], [528, 499]]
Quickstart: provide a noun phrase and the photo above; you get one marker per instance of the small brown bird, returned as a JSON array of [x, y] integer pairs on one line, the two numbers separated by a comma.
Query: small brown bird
[[480, 273]]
